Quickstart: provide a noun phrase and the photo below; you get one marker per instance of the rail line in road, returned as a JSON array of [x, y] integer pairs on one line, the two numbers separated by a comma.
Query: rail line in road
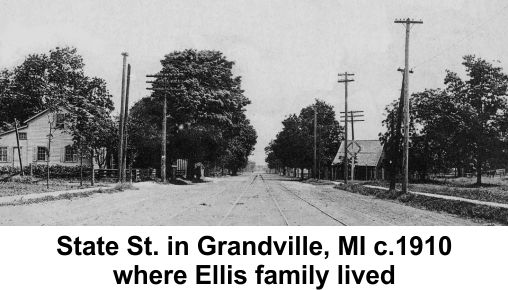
[[269, 191], [306, 201], [237, 200]]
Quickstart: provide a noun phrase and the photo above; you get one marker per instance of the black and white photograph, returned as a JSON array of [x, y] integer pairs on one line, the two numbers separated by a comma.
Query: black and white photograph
[[253, 113]]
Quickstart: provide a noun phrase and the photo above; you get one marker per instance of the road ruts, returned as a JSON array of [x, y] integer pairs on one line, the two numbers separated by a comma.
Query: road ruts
[[254, 206], [298, 211]]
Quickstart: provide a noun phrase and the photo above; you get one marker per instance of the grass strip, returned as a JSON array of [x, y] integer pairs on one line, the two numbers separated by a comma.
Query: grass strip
[[68, 196], [461, 208]]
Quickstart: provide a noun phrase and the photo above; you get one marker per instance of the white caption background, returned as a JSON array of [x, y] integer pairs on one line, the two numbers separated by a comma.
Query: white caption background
[[29, 258]]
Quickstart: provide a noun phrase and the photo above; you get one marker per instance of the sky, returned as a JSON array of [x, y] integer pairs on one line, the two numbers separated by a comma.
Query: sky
[[287, 52]]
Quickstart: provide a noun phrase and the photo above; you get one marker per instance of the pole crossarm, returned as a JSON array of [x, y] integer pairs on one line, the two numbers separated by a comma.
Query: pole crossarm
[[402, 70], [408, 21], [349, 112], [165, 75]]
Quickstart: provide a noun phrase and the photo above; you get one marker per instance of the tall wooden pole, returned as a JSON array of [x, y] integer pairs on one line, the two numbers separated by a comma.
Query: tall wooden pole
[[121, 129], [19, 148], [353, 154], [405, 158], [314, 167], [164, 136], [345, 81], [125, 123]]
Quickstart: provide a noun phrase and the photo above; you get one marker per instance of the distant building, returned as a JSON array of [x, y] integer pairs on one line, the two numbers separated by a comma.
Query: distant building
[[33, 142], [369, 159]]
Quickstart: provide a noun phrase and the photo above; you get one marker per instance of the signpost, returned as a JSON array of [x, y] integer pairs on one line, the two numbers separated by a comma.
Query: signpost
[[353, 149]]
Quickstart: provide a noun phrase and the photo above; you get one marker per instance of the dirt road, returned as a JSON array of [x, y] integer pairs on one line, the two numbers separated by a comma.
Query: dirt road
[[254, 199]]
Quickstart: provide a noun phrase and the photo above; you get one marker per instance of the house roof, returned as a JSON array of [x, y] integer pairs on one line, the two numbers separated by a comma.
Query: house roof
[[369, 155], [36, 115], [13, 130], [25, 122]]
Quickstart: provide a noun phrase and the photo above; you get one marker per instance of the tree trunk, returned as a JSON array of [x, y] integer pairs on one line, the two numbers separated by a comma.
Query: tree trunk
[[92, 182], [479, 168], [393, 175], [80, 167], [190, 168]]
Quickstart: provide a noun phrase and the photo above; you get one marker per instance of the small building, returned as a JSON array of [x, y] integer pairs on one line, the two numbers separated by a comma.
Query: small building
[[33, 142], [368, 160]]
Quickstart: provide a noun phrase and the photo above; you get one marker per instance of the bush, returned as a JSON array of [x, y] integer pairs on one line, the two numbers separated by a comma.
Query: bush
[[55, 171], [8, 170]]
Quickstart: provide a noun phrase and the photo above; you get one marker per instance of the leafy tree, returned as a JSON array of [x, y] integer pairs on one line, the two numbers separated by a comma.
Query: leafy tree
[[482, 108], [462, 126], [240, 146], [42, 81], [294, 144], [206, 119], [54, 81]]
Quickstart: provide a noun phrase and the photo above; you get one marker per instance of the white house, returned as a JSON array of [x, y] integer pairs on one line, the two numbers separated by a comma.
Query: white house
[[33, 142]]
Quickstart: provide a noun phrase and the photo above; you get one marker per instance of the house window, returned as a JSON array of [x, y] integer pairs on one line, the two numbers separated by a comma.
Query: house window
[[60, 119], [69, 154], [3, 154], [41, 153], [22, 136]]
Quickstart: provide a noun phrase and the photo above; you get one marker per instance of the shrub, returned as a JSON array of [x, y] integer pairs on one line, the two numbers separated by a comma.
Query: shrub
[[57, 171], [40, 170]]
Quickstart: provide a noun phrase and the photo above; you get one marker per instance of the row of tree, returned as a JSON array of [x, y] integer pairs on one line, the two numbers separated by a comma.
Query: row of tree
[[206, 116], [56, 80], [293, 146], [461, 127]]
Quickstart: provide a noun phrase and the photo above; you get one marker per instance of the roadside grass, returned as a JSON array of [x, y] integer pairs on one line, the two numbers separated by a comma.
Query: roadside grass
[[461, 208], [317, 181], [26, 186], [496, 190], [47, 198]]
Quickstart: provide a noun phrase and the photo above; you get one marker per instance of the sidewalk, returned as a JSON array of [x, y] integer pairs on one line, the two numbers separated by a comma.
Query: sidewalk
[[33, 196], [488, 203]]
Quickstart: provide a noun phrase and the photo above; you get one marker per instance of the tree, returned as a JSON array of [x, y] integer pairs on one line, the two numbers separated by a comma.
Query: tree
[[240, 145], [206, 119], [57, 81], [482, 108], [42, 81], [462, 126], [293, 146]]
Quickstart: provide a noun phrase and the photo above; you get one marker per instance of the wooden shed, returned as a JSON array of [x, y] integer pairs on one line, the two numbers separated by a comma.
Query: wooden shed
[[368, 160]]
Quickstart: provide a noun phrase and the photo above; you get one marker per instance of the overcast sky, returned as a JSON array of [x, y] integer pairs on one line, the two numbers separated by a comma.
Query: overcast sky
[[287, 52]]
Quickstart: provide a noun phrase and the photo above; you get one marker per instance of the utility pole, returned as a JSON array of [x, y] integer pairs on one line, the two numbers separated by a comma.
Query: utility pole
[[125, 124], [345, 81], [162, 84], [314, 168], [122, 116], [19, 148], [354, 115], [51, 121], [405, 159]]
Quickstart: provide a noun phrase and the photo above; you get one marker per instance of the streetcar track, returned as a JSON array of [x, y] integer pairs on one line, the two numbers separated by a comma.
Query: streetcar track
[[237, 200], [269, 191], [311, 204]]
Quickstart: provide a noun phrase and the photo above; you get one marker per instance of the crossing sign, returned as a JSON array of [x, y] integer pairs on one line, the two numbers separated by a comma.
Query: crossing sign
[[353, 148]]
